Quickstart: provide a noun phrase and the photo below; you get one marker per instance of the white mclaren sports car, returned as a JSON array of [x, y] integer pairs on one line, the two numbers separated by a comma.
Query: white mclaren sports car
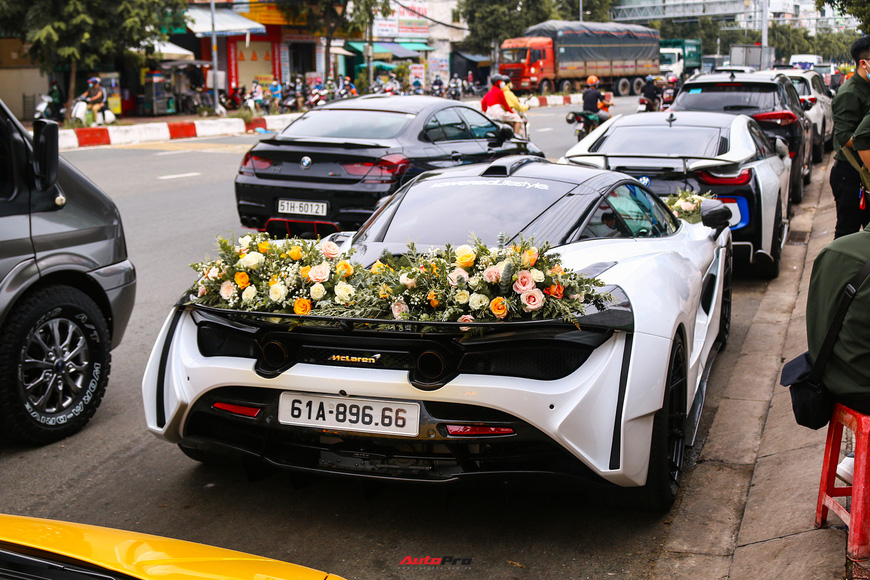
[[613, 396]]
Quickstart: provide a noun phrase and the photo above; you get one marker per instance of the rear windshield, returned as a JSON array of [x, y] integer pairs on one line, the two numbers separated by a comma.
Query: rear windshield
[[801, 86], [441, 211], [726, 96], [703, 141], [344, 124]]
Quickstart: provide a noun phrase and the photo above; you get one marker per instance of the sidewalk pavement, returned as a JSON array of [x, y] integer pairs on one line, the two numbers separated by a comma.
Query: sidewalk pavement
[[131, 130], [748, 509]]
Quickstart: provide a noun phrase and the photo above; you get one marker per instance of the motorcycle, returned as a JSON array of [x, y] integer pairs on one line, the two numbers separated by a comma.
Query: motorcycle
[[668, 97], [454, 92], [586, 122], [80, 112], [233, 100], [46, 108], [437, 90], [315, 98], [645, 105]]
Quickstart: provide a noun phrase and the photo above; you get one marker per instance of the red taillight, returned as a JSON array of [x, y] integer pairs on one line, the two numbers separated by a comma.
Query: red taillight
[[387, 168], [791, 154], [778, 117], [478, 430], [250, 163], [237, 409], [642, 101], [742, 178]]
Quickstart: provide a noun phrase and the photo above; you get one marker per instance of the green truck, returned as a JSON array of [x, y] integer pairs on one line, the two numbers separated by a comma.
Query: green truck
[[680, 57]]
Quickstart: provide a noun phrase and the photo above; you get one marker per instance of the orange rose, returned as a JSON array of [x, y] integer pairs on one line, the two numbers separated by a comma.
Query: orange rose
[[273, 280], [530, 256], [385, 291], [263, 247], [344, 269], [433, 302], [242, 280], [295, 253], [555, 290], [557, 269], [498, 306], [303, 272], [302, 306]]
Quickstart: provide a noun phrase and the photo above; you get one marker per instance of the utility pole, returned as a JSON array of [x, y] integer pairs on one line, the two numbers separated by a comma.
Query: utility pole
[[218, 110], [764, 18], [581, 10]]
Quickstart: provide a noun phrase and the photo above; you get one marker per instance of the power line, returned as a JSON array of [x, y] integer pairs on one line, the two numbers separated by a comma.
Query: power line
[[430, 18]]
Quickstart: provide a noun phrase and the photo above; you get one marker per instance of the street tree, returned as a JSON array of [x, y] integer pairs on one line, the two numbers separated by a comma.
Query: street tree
[[86, 33], [489, 23], [593, 10], [704, 28]]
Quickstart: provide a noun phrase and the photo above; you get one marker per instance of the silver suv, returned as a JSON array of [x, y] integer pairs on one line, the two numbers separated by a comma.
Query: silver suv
[[66, 287], [817, 99]]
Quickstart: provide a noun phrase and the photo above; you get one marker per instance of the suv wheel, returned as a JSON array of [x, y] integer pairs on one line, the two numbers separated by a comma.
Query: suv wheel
[[54, 365], [765, 267], [796, 194], [808, 177]]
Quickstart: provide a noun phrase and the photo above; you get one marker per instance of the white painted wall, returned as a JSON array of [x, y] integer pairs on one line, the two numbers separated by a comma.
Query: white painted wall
[[15, 82]]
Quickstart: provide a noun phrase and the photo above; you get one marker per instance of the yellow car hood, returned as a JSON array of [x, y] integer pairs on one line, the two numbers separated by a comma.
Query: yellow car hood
[[145, 556]]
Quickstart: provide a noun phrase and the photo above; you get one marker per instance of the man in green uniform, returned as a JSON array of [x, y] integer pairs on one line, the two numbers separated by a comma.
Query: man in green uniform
[[847, 373], [851, 106]]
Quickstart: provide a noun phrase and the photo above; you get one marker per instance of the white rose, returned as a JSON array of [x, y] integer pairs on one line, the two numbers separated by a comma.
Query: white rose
[[537, 275], [462, 297], [318, 291], [478, 301], [343, 292], [252, 260], [474, 282], [245, 241], [212, 273], [278, 292], [249, 294]]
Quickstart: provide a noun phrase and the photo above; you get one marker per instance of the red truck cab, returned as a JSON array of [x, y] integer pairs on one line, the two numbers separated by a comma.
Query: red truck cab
[[529, 62]]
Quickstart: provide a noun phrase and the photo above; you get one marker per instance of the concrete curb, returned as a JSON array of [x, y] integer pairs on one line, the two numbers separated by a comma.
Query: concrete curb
[[145, 132], [749, 504]]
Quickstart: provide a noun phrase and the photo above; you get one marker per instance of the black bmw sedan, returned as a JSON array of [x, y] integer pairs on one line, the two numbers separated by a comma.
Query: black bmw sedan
[[326, 171]]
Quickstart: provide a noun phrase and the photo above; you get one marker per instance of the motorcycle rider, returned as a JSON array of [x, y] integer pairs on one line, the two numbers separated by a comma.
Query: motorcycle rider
[[652, 93], [275, 95], [670, 91], [393, 86], [592, 97], [330, 88], [257, 94], [350, 87], [438, 86], [516, 105], [94, 97], [495, 104], [454, 89], [417, 86]]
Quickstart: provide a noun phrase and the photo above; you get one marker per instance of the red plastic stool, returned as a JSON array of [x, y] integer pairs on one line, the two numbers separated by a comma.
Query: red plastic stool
[[858, 546]]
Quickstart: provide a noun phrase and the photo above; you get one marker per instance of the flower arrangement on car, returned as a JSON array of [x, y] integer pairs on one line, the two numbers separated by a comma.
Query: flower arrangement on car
[[686, 205], [468, 283]]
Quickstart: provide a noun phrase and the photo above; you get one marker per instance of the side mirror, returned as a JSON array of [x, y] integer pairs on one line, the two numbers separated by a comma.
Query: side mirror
[[781, 147], [831, 93], [45, 154], [504, 133], [715, 214], [807, 105]]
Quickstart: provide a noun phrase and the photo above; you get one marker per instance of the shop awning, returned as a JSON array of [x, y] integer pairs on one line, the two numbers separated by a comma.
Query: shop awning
[[478, 58], [380, 50], [377, 64], [340, 51], [399, 51], [169, 51], [418, 46], [226, 23]]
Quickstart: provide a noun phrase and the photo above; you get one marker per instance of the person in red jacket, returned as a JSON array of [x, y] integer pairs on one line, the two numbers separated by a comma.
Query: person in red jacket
[[495, 104]]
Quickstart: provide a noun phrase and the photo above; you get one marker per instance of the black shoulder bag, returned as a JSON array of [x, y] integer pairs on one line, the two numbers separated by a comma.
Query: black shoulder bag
[[811, 401]]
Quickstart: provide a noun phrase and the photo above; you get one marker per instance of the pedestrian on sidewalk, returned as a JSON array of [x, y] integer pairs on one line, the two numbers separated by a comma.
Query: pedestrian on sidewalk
[[851, 106], [847, 373]]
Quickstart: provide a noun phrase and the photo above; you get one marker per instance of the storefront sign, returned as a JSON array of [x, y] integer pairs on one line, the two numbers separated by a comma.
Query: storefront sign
[[407, 21]]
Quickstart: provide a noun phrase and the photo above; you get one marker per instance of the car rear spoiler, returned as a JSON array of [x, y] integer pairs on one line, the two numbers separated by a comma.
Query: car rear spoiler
[[700, 162], [618, 315]]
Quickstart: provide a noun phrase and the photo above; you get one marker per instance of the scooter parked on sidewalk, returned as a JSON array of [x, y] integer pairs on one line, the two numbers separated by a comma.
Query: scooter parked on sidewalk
[[46, 108]]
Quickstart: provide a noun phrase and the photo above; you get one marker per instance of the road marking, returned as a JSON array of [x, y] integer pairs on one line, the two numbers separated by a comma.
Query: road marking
[[190, 146], [544, 130], [179, 175], [170, 153]]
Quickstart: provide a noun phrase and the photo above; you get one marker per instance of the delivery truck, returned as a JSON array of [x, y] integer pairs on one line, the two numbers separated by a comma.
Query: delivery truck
[[680, 57], [559, 54]]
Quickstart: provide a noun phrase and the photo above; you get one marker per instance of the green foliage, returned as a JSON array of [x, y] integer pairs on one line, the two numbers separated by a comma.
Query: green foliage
[[489, 23], [593, 10], [87, 32], [705, 28]]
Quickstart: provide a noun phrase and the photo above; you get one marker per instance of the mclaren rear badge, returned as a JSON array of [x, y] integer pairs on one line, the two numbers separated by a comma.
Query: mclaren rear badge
[[356, 359]]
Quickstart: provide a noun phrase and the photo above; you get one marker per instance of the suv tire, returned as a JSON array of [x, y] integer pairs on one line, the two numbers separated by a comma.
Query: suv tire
[[54, 365], [819, 149]]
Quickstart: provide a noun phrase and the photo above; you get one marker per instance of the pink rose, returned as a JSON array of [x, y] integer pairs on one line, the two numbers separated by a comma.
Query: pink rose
[[398, 308], [330, 250], [407, 282], [454, 276], [687, 206], [319, 273], [492, 275], [532, 300], [525, 282], [202, 291], [465, 318], [227, 290]]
